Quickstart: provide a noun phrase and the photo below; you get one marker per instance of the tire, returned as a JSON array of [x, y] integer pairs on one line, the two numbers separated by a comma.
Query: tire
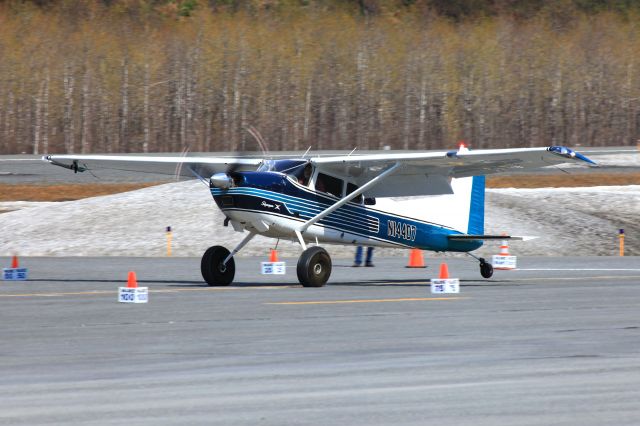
[[486, 269], [314, 267], [213, 271]]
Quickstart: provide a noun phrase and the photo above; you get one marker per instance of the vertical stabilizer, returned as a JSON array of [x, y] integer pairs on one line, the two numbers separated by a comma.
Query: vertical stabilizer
[[476, 208]]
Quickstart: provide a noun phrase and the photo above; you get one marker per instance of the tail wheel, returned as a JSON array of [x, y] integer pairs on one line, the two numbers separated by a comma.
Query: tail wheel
[[213, 270], [486, 270], [314, 267]]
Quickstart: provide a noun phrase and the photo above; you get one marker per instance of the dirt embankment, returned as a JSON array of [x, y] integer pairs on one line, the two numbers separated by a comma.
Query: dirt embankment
[[66, 192], [563, 180]]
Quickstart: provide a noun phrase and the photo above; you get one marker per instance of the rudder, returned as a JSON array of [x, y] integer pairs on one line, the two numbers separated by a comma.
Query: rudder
[[476, 207]]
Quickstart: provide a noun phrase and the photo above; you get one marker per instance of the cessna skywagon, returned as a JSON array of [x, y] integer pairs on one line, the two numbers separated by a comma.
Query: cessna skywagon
[[356, 199]]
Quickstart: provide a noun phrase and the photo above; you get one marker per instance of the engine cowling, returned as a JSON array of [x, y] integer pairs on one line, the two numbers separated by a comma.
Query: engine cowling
[[221, 181]]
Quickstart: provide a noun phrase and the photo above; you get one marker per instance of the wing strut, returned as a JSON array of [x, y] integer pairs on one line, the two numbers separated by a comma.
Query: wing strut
[[346, 199]]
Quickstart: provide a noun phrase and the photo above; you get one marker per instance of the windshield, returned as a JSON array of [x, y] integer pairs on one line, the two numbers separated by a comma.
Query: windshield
[[285, 166], [298, 170]]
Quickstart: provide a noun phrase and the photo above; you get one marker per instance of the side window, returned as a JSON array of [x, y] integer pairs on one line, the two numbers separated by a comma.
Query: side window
[[329, 184], [350, 188]]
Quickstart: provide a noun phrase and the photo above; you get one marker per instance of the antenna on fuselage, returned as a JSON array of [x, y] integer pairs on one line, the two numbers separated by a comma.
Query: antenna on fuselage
[[352, 151], [306, 152]]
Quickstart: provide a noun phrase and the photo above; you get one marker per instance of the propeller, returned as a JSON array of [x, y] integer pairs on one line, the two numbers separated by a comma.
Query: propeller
[[183, 154], [225, 180]]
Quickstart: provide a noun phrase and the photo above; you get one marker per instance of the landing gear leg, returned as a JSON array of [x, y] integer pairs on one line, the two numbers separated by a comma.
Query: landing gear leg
[[486, 269], [217, 264], [314, 267]]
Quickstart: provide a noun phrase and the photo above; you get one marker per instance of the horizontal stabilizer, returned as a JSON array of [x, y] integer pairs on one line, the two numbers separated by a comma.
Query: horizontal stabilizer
[[489, 237]]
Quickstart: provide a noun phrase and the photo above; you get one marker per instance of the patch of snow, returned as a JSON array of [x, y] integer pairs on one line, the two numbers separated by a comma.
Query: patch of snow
[[569, 221], [7, 206]]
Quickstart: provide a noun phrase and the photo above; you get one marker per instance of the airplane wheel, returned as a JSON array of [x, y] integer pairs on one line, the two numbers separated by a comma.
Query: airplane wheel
[[486, 269], [314, 267], [213, 271]]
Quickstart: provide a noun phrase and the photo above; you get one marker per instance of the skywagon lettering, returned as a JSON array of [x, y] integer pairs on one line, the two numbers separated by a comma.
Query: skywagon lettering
[[401, 230], [271, 206]]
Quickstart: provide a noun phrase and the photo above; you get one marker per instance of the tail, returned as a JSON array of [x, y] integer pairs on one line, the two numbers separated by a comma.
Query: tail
[[462, 211], [476, 206]]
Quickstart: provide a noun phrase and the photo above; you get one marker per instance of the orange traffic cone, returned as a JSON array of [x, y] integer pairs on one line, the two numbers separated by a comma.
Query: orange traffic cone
[[444, 271], [415, 259], [274, 255], [132, 282], [504, 248], [14, 263]]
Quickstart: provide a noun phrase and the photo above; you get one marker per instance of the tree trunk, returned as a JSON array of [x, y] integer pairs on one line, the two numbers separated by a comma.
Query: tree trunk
[[124, 111], [45, 114], [307, 114], [86, 113], [38, 120], [406, 134], [146, 121], [422, 143], [69, 130]]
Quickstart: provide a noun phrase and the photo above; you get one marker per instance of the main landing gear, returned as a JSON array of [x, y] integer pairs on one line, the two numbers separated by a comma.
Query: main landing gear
[[217, 264], [314, 267], [214, 270], [218, 267]]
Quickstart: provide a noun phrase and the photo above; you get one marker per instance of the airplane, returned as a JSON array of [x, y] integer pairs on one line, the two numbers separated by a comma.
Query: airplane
[[348, 199]]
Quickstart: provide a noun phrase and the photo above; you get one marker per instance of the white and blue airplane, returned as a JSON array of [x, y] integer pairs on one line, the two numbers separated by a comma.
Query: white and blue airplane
[[355, 199]]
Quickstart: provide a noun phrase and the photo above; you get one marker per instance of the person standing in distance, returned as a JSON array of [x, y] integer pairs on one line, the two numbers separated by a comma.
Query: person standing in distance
[[358, 259]]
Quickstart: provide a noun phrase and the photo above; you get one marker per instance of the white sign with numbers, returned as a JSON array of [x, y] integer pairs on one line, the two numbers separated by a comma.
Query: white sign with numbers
[[503, 262], [133, 295], [273, 268], [445, 285], [14, 274]]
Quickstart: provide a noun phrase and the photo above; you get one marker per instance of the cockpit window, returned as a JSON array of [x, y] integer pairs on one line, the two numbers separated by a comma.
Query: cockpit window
[[300, 173], [304, 174], [329, 184]]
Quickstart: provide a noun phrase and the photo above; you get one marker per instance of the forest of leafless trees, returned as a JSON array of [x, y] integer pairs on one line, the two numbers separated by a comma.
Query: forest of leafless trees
[[104, 81]]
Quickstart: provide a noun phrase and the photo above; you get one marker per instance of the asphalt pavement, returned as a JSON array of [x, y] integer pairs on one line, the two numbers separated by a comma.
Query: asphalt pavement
[[555, 342]]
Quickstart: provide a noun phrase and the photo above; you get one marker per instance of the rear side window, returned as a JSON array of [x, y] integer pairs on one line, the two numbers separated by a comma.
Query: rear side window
[[329, 184], [350, 188]]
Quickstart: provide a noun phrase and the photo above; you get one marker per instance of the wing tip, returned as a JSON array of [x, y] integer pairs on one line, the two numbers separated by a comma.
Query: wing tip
[[563, 151]]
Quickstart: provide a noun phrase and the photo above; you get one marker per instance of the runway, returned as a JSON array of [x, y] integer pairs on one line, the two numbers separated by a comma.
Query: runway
[[556, 342]]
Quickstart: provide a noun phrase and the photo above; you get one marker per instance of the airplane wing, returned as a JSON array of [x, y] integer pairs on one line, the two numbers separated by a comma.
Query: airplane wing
[[429, 173], [170, 165], [416, 173]]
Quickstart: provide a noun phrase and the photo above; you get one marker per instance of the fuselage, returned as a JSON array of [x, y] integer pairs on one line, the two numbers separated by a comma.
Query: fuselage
[[275, 204]]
